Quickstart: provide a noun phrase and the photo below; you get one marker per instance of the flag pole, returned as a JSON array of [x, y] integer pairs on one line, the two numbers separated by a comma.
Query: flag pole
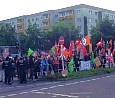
[[62, 58]]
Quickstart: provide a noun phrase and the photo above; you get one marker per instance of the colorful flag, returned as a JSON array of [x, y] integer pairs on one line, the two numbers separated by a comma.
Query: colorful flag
[[84, 51], [100, 43], [87, 40], [30, 51], [110, 42], [77, 42], [70, 49], [53, 50], [70, 65], [92, 58]]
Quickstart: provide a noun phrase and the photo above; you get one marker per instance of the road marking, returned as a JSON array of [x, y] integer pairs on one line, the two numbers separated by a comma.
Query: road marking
[[82, 81], [75, 82], [52, 86], [20, 86], [43, 88], [39, 92], [11, 95], [65, 95], [34, 90], [53, 96], [98, 78], [82, 93], [108, 76], [29, 85], [23, 93], [60, 85], [93, 79], [69, 84], [9, 87], [2, 96]]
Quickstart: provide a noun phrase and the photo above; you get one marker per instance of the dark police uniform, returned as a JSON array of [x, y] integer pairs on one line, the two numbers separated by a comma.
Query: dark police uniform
[[22, 70], [7, 66]]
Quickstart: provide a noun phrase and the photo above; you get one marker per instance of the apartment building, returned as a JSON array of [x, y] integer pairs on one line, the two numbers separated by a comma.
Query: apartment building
[[75, 14]]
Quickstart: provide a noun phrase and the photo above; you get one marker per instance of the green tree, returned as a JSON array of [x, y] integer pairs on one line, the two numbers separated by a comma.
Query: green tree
[[65, 29], [7, 37], [35, 38], [104, 29], [107, 28]]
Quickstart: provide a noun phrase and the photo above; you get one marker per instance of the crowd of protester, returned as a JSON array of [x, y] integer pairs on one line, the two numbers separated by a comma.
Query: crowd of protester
[[28, 68]]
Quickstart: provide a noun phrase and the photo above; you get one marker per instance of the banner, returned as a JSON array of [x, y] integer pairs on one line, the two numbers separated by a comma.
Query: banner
[[85, 65], [97, 62]]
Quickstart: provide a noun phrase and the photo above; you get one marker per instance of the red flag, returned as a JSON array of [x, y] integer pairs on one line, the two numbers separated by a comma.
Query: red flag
[[70, 49], [65, 51], [84, 51], [79, 46], [101, 40], [99, 44], [77, 42], [110, 42], [102, 50]]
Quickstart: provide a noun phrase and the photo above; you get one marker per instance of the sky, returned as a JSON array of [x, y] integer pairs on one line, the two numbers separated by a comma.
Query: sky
[[14, 8]]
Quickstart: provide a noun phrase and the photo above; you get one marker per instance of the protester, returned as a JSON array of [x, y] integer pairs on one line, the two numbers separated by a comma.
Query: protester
[[1, 70]]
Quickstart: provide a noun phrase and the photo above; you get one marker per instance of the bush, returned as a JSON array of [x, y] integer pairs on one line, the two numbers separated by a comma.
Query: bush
[[83, 73]]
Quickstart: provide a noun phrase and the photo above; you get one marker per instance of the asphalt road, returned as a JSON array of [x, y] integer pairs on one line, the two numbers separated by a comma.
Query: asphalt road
[[102, 86]]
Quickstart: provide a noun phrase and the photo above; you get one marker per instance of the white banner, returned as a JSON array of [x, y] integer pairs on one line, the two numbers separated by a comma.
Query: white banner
[[85, 65]]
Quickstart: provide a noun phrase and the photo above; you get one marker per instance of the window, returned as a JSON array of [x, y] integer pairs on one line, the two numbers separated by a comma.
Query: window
[[12, 23], [90, 20], [56, 16], [96, 20], [95, 13], [36, 19], [78, 11], [32, 19], [79, 27], [90, 12], [45, 23], [104, 14], [19, 20], [45, 16], [111, 16], [61, 14], [70, 12], [28, 20], [78, 19]]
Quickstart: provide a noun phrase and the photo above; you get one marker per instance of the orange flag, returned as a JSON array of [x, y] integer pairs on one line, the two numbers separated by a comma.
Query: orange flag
[[87, 40]]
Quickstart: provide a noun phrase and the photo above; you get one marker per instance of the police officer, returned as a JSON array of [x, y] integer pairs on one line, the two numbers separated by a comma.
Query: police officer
[[22, 70], [7, 66]]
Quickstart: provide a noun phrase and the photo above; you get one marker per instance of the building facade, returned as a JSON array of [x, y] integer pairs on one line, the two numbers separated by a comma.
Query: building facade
[[75, 14]]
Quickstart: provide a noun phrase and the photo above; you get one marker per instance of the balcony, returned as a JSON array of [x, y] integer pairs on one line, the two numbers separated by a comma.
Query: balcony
[[61, 18], [20, 31], [46, 20], [20, 24], [69, 17], [45, 27]]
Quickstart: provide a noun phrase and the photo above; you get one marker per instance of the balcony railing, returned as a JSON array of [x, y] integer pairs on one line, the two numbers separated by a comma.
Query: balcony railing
[[45, 27]]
